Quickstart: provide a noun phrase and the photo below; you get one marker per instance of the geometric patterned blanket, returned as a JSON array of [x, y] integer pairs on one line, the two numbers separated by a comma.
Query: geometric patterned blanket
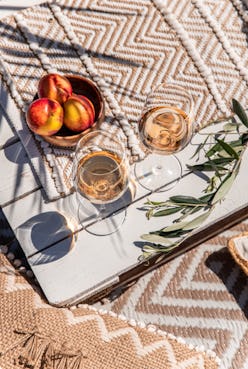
[[36, 335], [126, 48], [201, 296]]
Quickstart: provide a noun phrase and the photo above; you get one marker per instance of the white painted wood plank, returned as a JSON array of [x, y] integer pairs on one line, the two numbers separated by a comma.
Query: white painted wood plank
[[65, 272], [7, 134], [16, 177]]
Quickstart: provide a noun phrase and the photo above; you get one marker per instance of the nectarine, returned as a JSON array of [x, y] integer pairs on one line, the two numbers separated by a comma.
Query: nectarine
[[79, 113], [45, 116], [55, 87]]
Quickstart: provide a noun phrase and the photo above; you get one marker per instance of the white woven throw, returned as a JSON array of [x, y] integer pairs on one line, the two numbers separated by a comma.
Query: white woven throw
[[126, 48]]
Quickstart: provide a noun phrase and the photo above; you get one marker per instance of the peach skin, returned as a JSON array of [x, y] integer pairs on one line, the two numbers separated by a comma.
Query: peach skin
[[79, 113], [45, 116], [55, 87]]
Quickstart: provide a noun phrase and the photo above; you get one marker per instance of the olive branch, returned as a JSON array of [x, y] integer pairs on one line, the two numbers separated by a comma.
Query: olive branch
[[223, 160]]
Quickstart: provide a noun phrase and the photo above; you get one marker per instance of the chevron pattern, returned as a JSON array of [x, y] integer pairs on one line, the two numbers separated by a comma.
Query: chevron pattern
[[92, 339], [201, 296], [131, 46]]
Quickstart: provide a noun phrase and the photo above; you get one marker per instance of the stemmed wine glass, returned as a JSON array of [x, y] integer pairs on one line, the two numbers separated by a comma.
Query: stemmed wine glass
[[100, 177], [166, 127]]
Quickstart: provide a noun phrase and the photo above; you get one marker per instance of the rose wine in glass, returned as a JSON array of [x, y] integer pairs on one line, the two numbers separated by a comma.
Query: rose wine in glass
[[165, 128], [101, 176]]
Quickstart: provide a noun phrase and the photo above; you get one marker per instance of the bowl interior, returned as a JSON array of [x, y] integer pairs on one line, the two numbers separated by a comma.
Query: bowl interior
[[84, 86]]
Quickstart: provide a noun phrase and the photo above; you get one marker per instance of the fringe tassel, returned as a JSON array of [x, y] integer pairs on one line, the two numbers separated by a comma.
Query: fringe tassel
[[39, 352]]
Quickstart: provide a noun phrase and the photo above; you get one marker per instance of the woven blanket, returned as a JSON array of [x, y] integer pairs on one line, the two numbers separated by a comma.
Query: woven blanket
[[126, 48], [35, 335], [200, 296]]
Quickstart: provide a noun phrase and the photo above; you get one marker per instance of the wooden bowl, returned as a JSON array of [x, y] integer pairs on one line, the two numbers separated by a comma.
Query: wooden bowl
[[82, 86]]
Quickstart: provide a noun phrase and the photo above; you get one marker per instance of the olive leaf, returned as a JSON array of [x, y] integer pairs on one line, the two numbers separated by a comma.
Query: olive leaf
[[156, 239], [230, 127], [228, 148], [186, 200], [168, 211], [196, 222], [239, 110], [174, 227], [224, 187], [223, 159]]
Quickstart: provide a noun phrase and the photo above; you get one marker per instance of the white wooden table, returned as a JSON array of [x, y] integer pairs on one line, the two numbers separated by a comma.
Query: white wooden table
[[78, 266]]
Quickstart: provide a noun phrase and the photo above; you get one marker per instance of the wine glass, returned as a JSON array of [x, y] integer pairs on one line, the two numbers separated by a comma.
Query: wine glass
[[100, 177], [165, 128]]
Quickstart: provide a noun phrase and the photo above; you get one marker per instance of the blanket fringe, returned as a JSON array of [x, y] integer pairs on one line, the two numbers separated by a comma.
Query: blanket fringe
[[39, 352]]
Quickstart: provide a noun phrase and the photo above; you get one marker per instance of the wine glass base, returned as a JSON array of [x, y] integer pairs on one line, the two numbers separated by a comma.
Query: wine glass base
[[158, 172], [108, 225], [104, 219]]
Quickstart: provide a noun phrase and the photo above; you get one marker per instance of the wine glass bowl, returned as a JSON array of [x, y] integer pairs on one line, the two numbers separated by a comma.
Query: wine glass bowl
[[166, 123], [100, 171], [165, 128]]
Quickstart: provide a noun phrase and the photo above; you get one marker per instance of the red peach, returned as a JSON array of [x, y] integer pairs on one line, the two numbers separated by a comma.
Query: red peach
[[79, 113], [55, 87], [45, 116]]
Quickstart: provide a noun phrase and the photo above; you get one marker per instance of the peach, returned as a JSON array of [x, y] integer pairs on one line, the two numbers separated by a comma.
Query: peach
[[55, 87], [45, 116], [79, 113]]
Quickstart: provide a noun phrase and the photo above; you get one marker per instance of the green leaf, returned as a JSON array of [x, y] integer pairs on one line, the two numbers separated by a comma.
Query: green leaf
[[230, 127], [173, 234], [213, 150], [228, 148], [168, 211], [205, 167], [237, 149], [188, 211], [149, 213], [156, 239], [196, 222], [220, 161], [174, 227], [155, 203], [207, 198], [224, 187], [239, 110], [185, 200], [211, 165]]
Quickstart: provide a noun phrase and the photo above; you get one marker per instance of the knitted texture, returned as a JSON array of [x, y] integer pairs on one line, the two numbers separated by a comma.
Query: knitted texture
[[35, 335], [126, 48]]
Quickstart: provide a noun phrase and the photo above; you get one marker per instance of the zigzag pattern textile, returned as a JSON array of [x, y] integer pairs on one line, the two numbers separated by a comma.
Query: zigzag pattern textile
[[126, 48]]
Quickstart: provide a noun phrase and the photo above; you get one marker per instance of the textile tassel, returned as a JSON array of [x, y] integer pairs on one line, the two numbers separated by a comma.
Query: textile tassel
[[38, 352], [34, 347], [78, 362], [47, 357], [68, 359]]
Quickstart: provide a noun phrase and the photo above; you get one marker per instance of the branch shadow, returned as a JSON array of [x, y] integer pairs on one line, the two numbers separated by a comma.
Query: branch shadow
[[60, 48], [235, 280]]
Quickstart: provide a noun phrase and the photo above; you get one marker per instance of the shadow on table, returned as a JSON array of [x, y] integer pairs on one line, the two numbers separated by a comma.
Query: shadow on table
[[235, 280], [44, 230]]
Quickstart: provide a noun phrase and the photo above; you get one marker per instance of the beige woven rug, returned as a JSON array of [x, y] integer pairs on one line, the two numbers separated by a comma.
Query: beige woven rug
[[35, 335], [200, 296], [126, 47]]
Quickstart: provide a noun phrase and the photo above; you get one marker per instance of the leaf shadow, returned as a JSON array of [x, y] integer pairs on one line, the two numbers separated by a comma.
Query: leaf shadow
[[234, 279]]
